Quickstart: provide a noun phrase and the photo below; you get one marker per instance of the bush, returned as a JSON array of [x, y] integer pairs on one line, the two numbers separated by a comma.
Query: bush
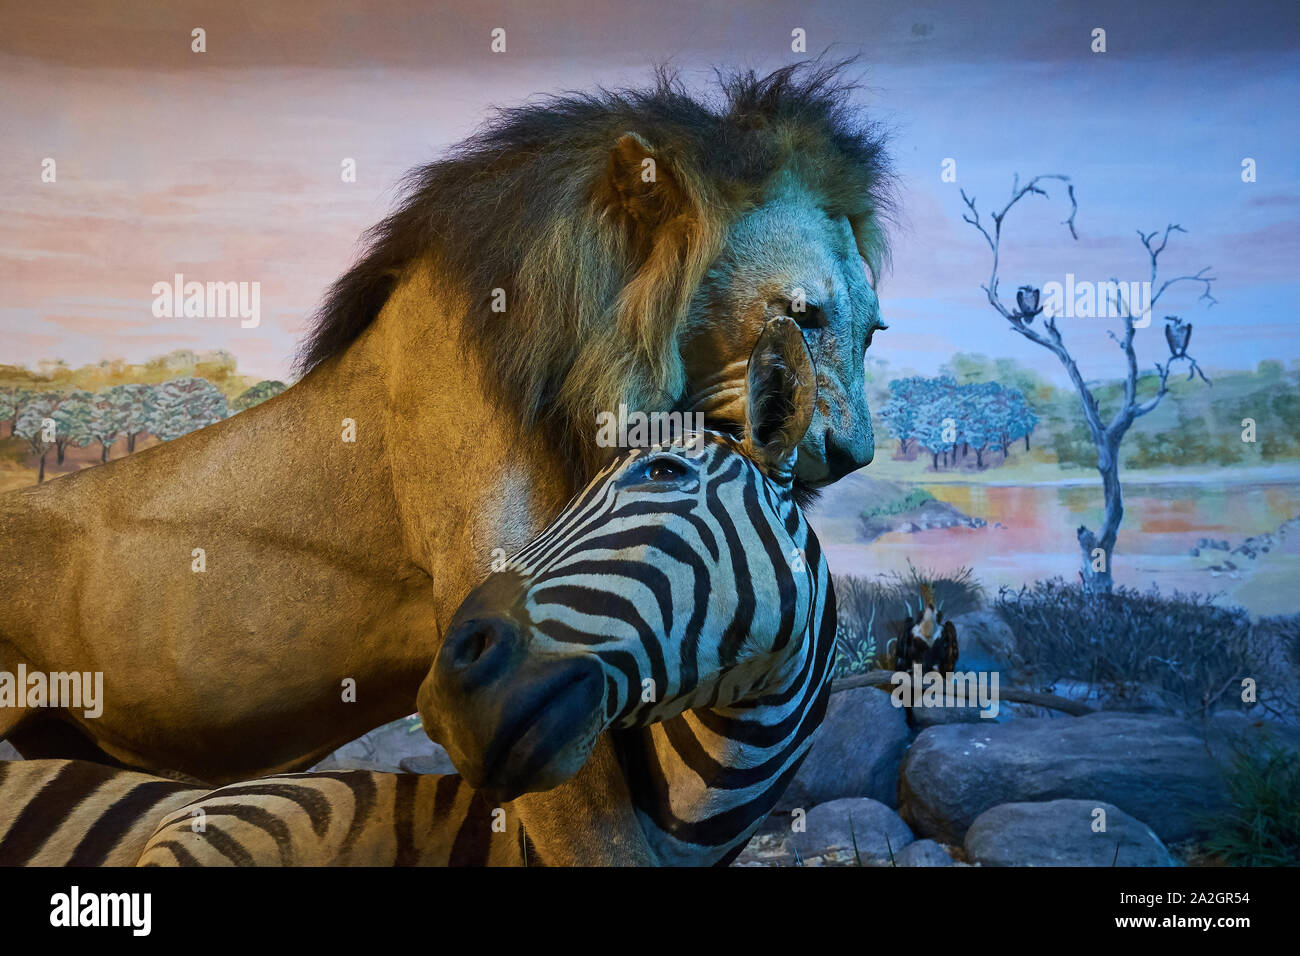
[[1180, 643], [1281, 633], [901, 505], [869, 612], [1263, 827]]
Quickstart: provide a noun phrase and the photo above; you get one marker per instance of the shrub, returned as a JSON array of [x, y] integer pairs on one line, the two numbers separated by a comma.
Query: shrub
[[1282, 634], [869, 612], [897, 506], [1181, 643], [1263, 826]]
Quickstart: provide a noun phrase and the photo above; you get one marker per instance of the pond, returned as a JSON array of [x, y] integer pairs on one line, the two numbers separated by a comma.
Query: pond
[[1163, 521]]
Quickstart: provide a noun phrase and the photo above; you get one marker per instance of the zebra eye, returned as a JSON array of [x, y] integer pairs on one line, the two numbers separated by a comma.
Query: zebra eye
[[665, 469]]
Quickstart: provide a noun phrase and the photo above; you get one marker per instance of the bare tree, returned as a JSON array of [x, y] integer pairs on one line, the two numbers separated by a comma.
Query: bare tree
[[1107, 436]]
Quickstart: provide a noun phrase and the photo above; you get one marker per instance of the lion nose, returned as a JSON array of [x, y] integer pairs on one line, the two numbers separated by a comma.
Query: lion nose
[[843, 458]]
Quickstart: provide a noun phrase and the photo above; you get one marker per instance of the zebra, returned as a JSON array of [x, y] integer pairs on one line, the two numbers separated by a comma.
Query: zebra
[[78, 813], [711, 712]]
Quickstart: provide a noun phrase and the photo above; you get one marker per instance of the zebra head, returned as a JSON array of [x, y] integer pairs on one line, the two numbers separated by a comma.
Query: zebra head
[[675, 580]]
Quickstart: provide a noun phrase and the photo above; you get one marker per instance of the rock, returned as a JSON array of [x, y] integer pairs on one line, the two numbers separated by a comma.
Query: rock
[[877, 829], [385, 748], [984, 641], [856, 752], [7, 751], [923, 717], [923, 853], [1060, 833], [1152, 767]]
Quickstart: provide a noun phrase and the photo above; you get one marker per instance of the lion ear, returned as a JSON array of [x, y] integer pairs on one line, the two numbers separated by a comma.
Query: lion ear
[[640, 185]]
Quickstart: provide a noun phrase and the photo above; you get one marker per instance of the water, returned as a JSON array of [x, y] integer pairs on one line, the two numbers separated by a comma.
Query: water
[[1162, 521]]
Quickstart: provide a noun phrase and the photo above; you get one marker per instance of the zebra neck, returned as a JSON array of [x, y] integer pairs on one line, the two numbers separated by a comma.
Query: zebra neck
[[704, 781]]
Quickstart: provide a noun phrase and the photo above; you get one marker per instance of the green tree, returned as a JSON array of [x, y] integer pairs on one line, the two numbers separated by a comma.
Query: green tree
[[109, 416], [257, 394], [185, 404], [36, 424], [72, 418]]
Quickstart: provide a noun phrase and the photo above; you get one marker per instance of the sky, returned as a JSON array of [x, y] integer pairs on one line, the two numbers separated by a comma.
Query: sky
[[225, 165]]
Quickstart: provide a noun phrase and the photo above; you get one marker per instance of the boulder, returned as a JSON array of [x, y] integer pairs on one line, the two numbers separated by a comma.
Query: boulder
[[877, 829], [855, 753], [923, 853], [1060, 833], [1155, 768], [922, 717], [984, 641], [7, 751]]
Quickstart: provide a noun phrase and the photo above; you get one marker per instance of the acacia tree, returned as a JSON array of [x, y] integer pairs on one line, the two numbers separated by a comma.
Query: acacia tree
[[899, 412], [72, 416], [185, 404], [30, 424], [257, 394], [109, 415], [12, 401], [1107, 436], [138, 407], [8, 407]]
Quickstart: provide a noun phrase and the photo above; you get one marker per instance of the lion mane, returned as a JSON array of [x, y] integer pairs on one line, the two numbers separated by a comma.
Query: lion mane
[[548, 201]]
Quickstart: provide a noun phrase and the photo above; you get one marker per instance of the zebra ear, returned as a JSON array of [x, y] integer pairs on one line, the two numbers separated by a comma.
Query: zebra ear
[[780, 388]]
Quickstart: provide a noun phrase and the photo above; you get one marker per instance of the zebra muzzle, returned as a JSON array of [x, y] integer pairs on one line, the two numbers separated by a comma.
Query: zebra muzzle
[[512, 721]]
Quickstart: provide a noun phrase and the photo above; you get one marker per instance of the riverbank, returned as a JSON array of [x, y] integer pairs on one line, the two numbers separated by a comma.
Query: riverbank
[[1015, 474]]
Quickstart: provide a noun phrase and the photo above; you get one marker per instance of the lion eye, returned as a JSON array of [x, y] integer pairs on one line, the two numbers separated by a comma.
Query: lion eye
[[812, 317], [808, 315]]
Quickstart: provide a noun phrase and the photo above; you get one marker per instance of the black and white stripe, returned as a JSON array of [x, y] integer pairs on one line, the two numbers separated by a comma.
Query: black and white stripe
[[717, 589]]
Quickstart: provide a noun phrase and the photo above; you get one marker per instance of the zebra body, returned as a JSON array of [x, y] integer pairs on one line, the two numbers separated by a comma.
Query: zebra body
[[76, 813], [680, 604]]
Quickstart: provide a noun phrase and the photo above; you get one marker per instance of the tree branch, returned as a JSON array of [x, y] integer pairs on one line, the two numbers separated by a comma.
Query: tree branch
[[884, 679]]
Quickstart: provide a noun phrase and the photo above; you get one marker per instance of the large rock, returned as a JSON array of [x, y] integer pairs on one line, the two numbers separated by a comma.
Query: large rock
[[923, 853], [856, 752], [1154, 768], [984, 641], [397, 746], [7, 751], [1060, 833], [923, 717], [876, 828]]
